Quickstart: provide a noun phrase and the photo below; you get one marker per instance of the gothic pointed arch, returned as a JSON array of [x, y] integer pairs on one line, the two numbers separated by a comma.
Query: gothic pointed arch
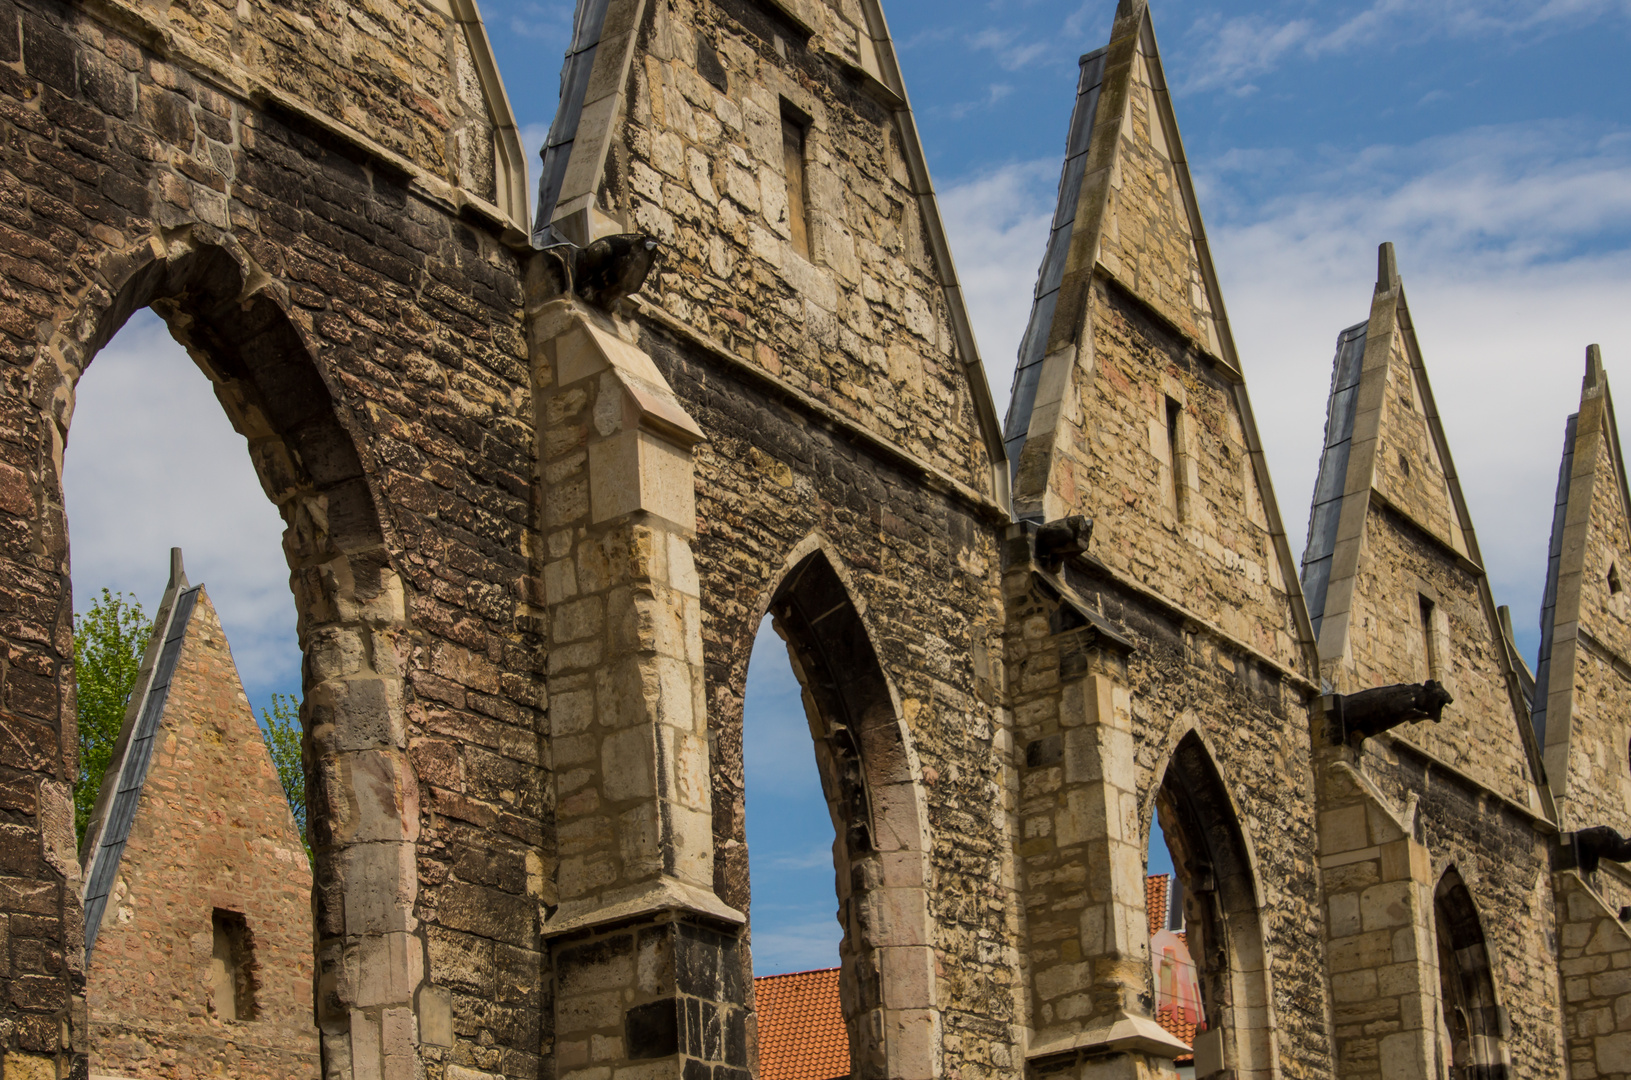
[[1471, 1023], [1213, 866], [870, 779], [361, 787]]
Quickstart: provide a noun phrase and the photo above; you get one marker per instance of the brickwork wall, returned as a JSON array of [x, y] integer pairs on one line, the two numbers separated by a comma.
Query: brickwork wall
[[861, 324], [212, 830]]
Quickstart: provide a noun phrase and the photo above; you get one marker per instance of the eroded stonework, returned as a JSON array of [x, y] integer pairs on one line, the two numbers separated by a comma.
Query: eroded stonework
[[534, 522]]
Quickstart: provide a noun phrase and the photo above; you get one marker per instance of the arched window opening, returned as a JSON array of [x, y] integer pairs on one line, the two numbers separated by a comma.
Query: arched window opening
[[1211, 895], [1471, 1025], [1173, 977], [795, 938], [197, 873], [869, 814]]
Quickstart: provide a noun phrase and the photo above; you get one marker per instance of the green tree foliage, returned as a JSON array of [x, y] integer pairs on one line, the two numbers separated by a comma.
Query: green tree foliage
[[108, 643], [281, 726]]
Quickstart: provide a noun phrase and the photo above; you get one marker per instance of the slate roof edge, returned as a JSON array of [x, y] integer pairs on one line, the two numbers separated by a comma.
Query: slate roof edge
[[171, 623]]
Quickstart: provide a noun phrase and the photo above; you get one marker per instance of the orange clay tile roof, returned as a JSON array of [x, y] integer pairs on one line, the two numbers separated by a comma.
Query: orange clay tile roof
[[1174, 1021], [1155, 902], [801, 1027]]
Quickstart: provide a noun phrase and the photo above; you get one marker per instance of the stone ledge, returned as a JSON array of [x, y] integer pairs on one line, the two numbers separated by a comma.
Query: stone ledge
[[645, 901], [1138, 1034]]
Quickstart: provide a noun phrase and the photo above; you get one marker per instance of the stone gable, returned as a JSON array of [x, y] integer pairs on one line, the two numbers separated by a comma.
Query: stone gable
[[212, 841]]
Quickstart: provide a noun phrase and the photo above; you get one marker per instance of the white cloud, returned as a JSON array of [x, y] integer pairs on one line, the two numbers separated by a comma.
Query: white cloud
[[1238, 48], [805, 939], [1515, 247], [997, 224], [152, 463]]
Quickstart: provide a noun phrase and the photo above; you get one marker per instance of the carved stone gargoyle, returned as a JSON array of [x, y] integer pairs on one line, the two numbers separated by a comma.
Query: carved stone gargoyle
[[1370, 712], [1063, 539], [606, 271], [1593, 845]]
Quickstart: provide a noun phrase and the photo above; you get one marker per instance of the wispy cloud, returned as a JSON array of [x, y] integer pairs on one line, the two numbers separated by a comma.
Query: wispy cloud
[[1233, 50]]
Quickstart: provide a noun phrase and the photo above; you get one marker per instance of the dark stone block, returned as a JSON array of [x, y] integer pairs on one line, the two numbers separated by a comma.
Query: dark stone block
[[736, 1037], [696, 1070], [696, 963], [693, 1026], [652, 1030], [48, 54], [1048, 751]]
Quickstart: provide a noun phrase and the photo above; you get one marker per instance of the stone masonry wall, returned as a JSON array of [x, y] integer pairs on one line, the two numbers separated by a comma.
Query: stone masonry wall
[[1479, 735], [1503, 858], [860, 323], [369, 345], [772, 474], [212, 831], [1409, 472]]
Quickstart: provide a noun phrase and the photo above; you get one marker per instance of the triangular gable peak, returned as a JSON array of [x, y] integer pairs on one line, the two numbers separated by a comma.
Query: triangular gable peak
[[1582, 709], [772, 149], [1392, 571], [1128, 402]]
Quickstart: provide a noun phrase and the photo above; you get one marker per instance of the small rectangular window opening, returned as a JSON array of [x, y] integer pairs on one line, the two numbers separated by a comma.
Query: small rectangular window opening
[[794, 129], [1430, 641], [232, 967], [1175, 458]]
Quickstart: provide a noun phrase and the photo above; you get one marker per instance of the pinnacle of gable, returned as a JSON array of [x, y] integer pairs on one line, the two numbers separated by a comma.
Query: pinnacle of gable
[[1146, 239]]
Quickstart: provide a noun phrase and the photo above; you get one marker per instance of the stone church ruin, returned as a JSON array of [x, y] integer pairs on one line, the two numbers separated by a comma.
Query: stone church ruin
[[543, 479]]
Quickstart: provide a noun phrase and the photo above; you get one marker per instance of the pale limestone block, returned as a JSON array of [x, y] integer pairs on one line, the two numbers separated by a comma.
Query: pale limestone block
[[581, 875], [571, 712], [690, 843], [381, 882], [895, 818], [1344, 914], [1061, 979], [1610, 937], [913, 1041], [384, 969], [1082, 818], [637, 470], [1344, 829], [687, 753], [400, 1039], [626, 764], [1386, 905], [382, 797], [436, 1016], [366, 1052], [1404, 1056], [674, 701], [904, 869], [908, 977], [903, 916]]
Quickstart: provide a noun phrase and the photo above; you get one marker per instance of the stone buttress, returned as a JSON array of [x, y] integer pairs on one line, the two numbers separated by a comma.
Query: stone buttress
[[1582, 719], [1434, 817], [1160, 666]]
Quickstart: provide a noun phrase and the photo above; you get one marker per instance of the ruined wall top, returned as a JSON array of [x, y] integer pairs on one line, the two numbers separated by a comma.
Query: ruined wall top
[[413, 84]]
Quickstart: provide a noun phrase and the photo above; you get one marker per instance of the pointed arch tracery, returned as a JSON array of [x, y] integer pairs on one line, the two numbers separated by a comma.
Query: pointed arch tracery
[[869, 776], [1212, 861], [1471, 1022]]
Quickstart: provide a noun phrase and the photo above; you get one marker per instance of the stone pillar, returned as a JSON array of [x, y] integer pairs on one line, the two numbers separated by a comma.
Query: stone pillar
[[644, 954], [1081, 850], [1594, 961], [1379, 932]]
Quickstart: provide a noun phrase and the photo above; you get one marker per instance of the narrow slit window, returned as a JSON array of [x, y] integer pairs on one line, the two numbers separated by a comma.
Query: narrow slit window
[[794, 131], [1175, 460], [1614, 578], [232, 984], [1430, 640]]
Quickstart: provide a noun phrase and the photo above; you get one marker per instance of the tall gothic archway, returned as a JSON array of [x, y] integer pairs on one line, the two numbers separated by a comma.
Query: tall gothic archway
[[869, 777], [1213, 867], [361, 790], [1471, 1023]]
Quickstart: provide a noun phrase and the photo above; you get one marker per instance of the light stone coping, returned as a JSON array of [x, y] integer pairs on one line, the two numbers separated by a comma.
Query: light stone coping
[[1122, 1032], [651, 899]]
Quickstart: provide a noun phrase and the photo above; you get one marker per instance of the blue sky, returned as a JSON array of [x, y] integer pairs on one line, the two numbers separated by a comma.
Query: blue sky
[[1489, 139]]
